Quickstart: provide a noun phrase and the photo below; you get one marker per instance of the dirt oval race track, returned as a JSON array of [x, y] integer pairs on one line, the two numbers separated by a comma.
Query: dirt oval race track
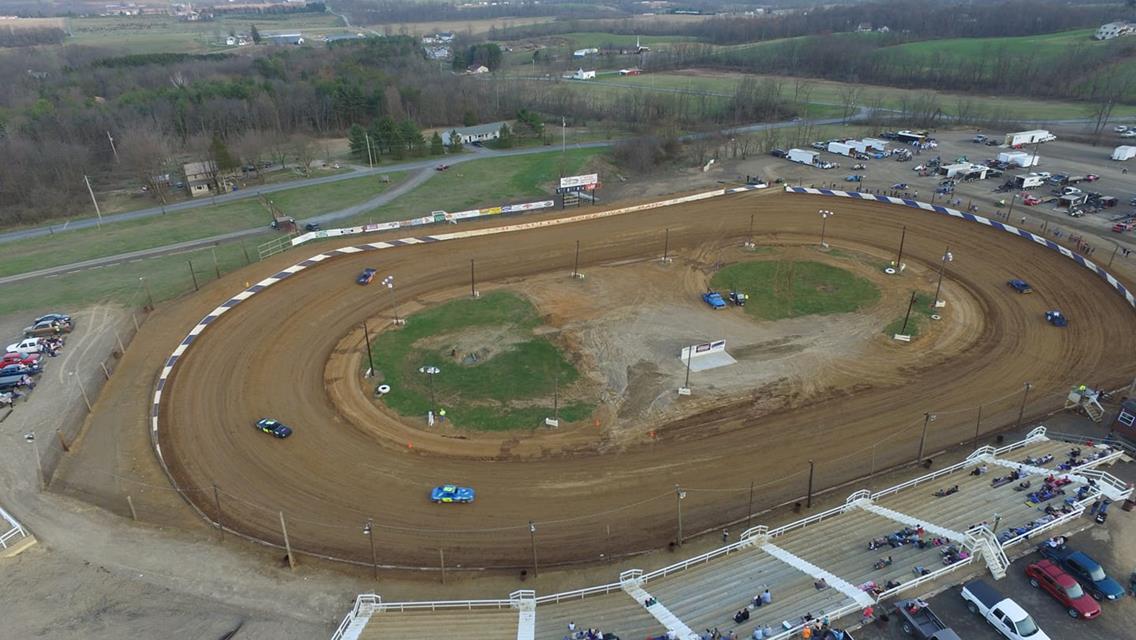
[[269, 357]]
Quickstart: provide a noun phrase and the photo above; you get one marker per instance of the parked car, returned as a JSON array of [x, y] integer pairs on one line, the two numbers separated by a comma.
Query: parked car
[[1131, 133], [28, 359], [448, 493], [46, 328], [441, 167], [27, 345], [1021, 286], [268, 425], [1086, 570], [819, 145], [1092, 177], [1030, 200], [1051, 578], [1005, 615], [778, 153], [366, 277], [919, 621], [978, 139], [19, 370], [55, 317], [1120, 128], [312, 226]]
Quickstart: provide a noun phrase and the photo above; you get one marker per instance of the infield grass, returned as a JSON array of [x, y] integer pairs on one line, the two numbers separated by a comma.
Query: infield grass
[[509, 387], [921, 313], [781, 289]]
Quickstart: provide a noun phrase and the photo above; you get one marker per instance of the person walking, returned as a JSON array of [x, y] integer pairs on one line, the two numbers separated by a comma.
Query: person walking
[[441, 415], [725, 536]]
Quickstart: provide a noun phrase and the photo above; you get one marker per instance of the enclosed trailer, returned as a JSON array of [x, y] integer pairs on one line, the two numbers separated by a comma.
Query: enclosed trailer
[[842, 148], [1124, 153], [911, 136], [804, 156], [876, 143], [1029, 137], [1029, 181], [1018, 158]]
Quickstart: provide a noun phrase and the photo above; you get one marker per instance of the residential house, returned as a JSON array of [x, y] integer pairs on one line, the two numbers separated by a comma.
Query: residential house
[[200, 178], [479, 133], [478, 69], [580, 74], [437, 52]]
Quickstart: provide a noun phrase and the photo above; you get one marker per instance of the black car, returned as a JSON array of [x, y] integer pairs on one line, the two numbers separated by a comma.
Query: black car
[[54, 317], [778, 153], [312, 226], [268, 425]]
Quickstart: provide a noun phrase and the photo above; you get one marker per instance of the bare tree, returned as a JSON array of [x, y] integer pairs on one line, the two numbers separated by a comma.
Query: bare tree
[[849, 98]]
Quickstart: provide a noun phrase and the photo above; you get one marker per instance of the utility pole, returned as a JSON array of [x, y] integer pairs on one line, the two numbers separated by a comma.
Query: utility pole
[[369, 531], [809, 498], [689, 357], [824, 216], [98, 213], [370, 356], [899, 259], [907, 317], [927, 418], [947, 257], [472, 284], [977, 426], [666, 245], [370, 158], [679, 496], [749, 510], [113, 150], [576, 264], [532, 542], [1022, 409]]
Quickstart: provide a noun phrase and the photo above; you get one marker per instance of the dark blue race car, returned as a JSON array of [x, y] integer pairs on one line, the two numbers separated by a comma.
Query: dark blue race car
[[451, 493], [268, 425], [366, 277], [1021, 286]]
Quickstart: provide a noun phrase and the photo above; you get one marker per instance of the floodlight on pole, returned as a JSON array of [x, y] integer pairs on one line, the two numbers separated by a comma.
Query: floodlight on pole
[[824, 216], [430, 371], [30, 438], [369, 531], [680, 495], [388, 282], [947, 257]]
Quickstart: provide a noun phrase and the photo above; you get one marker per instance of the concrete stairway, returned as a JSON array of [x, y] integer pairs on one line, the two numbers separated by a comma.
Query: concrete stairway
[[659, 610]]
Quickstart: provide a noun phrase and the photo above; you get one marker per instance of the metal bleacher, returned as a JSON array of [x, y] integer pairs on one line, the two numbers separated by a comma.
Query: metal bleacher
[[705, 591]]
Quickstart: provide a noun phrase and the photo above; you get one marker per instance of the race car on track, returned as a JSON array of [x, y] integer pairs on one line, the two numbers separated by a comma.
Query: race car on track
[[1056, 318], [366, 277], [268, 425], [451, 493], [1021, 286]]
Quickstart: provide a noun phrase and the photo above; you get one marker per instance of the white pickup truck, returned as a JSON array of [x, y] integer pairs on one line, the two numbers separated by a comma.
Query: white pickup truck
[[1002, 613]]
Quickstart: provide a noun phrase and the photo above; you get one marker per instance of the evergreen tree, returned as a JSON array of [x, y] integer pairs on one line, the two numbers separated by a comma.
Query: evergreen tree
[[219, 153], [357, 139], [255, 33], [436, 148], [505, 141], [455, 142]]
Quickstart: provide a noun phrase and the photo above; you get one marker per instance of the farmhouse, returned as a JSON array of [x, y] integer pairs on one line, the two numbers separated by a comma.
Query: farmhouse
[[479, 133], [580, 74], [1114, 30], [200, 177]]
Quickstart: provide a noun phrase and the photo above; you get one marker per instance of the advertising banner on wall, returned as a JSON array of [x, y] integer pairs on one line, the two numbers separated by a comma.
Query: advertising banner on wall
[[579, 181]]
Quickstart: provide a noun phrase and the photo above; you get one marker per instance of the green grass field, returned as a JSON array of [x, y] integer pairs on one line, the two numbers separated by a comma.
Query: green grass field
[[509, 388], [788, 289], [1038, 46], [167, 277], [84, 244], [825, 95], [483, 183], [162, 34], [597, 39]]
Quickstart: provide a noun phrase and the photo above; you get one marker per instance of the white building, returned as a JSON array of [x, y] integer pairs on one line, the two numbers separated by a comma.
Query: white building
[[1114, 30], [479, 133], [580, 53], [580, 74]]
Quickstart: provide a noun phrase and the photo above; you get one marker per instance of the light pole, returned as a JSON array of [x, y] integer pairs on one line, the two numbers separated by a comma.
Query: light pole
[[369, 531], [824, 216], [947, 257], [809, 499], [928, 418], [31, 438], [1010, 213], [1022, 409], [680, 495], [532, 542], [997, 521], [388, 282], [430, 372]]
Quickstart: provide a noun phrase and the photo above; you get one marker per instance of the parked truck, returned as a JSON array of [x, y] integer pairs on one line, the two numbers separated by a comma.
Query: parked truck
[[918, 621], [1005, 615]]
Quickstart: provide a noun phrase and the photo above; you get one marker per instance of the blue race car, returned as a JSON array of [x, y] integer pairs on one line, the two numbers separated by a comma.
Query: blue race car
[[268, 425], [1056, 318], [1021, 286], [366, 277], [451, 493]]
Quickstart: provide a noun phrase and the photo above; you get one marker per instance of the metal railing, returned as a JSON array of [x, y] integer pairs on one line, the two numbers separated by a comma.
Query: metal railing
[[1111, 441], [17, 530], [689, 562], [579, 594], [365, 605]]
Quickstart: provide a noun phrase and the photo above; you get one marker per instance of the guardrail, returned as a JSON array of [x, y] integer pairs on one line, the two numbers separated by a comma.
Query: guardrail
[[579, 594], [934, 575], [945, 471], [689, 562], [1111, 441]]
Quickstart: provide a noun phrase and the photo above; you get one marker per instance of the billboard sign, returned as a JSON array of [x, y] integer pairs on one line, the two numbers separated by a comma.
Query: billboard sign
[[579, 181]]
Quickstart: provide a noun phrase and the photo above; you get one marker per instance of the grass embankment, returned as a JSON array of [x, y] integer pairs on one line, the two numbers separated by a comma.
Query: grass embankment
[[507, 389], [921, 313], [484, 183], [191, 224], [780, 289]]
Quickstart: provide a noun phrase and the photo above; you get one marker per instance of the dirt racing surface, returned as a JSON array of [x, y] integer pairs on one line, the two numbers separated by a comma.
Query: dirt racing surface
[[601, 490]]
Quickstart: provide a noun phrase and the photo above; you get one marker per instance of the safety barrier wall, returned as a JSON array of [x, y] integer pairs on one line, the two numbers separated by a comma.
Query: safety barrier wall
[[212, 316], [954, 213]]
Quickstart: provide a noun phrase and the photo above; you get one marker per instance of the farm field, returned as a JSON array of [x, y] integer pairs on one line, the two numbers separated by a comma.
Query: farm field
[[161, 34]]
